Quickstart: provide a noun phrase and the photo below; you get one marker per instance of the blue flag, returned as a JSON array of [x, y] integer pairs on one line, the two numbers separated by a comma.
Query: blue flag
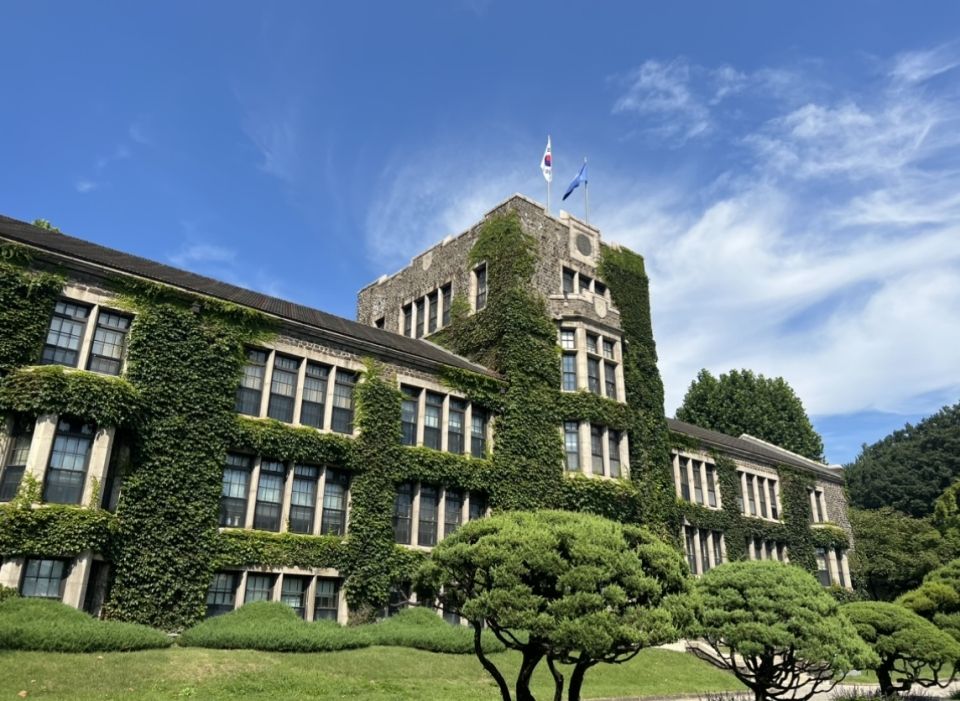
[[581, 178]]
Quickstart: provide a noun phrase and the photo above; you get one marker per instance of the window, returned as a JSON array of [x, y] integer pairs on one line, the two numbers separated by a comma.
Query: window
[[16, 461], [762, 491], [408, 320], [293, 593], [43, 579], [478, 506], [584, 283], [343, 401], [774, 511], [823, 569], [259, 588], [596, 450], [222, 594], [446, 299], [455, 418], [233, 496], [67, 469], [334, 518], [684, 479], [429, 508], [569, 372], [65, 334], [717, 538], [379, 323], [751, 497], [599, 288], [402, 513], [697, 483], [283, 388], [314, 395], [840, 578], [608, 349], [592, 343], [434, 301], [569, 280], [481, 274], [568, 339], [326, 599], [266, 515], [303, 498], [690, 547], [478, 432], [593, 375], [408, 414], [109, 340], [421, 314], [251, 383], [571, 444], [711, 486], [452, 511], [818, 511], [704, 550], [613, 448], [610, 380], [431, 420]]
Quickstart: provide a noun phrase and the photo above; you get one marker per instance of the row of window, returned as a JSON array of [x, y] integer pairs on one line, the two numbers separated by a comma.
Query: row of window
[[72, 323], [606, 447], [440, 422], [575, 282], [66, 472], [703, 547], [702, 476], [759, 549], [762, 496], [832, 566], [326, 399], [697, 482], [592, 358], [428, 313], [294, 592], [417, 511], [818, 507]]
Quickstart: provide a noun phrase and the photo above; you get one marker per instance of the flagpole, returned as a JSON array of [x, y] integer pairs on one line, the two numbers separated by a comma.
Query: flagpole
[[550, 180], [586, 197]]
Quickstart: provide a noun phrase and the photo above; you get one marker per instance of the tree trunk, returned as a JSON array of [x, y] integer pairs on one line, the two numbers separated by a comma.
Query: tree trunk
[[886, 683], [557, 680], [576, 680], [488, 665], [531, 658]]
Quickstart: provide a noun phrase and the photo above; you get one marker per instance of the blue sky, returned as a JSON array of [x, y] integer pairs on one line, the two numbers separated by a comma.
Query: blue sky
[[790, 172]]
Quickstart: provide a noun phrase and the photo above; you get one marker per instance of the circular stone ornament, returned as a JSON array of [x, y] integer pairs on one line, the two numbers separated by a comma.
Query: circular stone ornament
[[584, 244]]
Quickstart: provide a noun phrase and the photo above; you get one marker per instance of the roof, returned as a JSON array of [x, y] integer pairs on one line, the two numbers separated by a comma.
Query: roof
[[330, 324], [754, 447]]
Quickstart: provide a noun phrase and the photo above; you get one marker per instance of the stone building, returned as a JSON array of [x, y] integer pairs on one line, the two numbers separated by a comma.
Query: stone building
[[305, 375]]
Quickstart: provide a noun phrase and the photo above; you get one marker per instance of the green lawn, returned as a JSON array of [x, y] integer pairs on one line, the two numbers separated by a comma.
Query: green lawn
[[375, 674]]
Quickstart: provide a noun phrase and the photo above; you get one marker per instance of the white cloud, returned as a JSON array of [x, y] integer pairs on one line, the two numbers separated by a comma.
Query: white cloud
[[138, 134], [920, 66], [662, 92], [84, 186], [202, 253]]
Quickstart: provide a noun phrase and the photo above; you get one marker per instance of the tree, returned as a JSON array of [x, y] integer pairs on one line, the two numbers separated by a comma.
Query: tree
[[910, 468], [908, 646], [742, 402], [938, 598], [776, 629], [946, 517], [44, 224], [563, 587], [894, 551]]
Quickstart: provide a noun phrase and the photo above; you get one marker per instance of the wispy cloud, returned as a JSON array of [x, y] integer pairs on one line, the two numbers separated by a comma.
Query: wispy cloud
[[919, 66], [84, 186], [277, 138], [202, 253], [137, 132]]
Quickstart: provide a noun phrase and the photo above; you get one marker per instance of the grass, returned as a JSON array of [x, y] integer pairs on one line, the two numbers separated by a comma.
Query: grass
[[38, 624], [274, 627], [371, 674]]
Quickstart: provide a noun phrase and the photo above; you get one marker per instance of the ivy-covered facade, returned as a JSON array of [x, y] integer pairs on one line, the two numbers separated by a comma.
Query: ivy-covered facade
[[174, 446]]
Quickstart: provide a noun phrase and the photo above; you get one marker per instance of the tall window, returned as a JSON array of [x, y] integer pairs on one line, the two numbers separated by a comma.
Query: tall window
[[408, 414], [283, 388], [326, 599], [343, 401], [455, 419], [408, 320], [684, 480], [711, 487], [446, 295], [334, 518], [222, 594], [259, 588], [43, 578], [774, 511], [314, 395], [402, 513], [16, 461], [691, 547], [697, 483], [109, 340], [596, 449], [293, 594], [452, 511], [841, 579], [569, 372], [592, 341], [421, 313], [762, 491], [751, 498], [823, 569], [568, 339], [607, 349], [585, 283], [481, 287], [478, 506], [432, 415], [429, 508], [704, 550], [266, 515], [478, 432], [593, 375], [68, 461], [717, 537], [65, 334], [303, 498], [434, 300], [610, 380], [251, 383], [236, 486], [569, 280], [571, 444], [613, 448]]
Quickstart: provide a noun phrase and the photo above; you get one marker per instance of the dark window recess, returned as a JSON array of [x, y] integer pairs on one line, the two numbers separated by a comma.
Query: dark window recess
[[408, 320], [452, 511], [65, 334], [432, 417], [408, 414], [379, 323], [446, 299], [455, 420], [571, 445], [67, 469], [333, 521], [429, 509], [314, 395], [569, 280], [109, 342], [343, 401], [478, 505], [613, 448], [402, 513], [283, 388], [610, 380], [774, 511], [593, 375], [599, 288], [266, 514], [222, 594], [421, 313], [303, 498], [569, 372], [481, 301], [236, 487], [16, 461], [596, 450], [326, 599], [251, 383], [434, 300], [584, 283], [478, 432], [684, 479]]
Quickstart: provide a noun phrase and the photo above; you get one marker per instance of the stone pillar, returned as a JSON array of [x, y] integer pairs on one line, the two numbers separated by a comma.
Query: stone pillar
[[832, 566], [318, 511], [845, 568], [252, 494], [75, 586], [743, 492], [43, 434], [287, 496], [310, 594], [415, 516], [298, 394], [97, 469], [267, 380], [10, 572], [241, 596], [676, 476], [756, 494]]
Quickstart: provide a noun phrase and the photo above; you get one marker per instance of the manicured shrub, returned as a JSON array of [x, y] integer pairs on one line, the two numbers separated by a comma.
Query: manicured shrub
[[938, 598], [49, 626], [423, 629]]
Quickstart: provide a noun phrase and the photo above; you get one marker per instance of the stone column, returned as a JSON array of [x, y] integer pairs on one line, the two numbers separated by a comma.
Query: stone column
[[75, 586], [43, 434], [97, 469], [10, 572], [267, 380], [298, 394], [252, 493]]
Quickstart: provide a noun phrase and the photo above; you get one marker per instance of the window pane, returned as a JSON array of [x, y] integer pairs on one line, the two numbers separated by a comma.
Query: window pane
[[334, 518], [481, 287], [478, 505], [106, 353], [266, 514], [613, 448], [16, 461], [684, 479], [429, 506], [408, 414], [478, 432], [711, 486], [446, 293], [283, 388], [762, 490], [697, 482], [259, 588], [568, 339], [65, 334], [408, 320], [569, 372], [608, 349], [222, 594], [571, 443], [592, 343], [596, 450], [251, 383], [303, 498], [326, 600], [431, 420], [43, 578], [452, 511], [774, 511], [434, 300], [569, 278], [292, 594], [455, 420], [67, 469], [402, 513], [343, 401], [610, 380], [593, 375]]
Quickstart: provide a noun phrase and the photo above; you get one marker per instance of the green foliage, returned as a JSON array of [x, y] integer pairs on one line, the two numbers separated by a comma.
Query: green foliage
[[53, 530], [618, 500], [946, 516], [742, 402], [910, 468], [27, 299], [108, 401], [45, 224], [274, 627], [586, 406], [237, 548], [938, 598], [49, 626], [7, 593], [906, 645], [280, 441], [572, 588], [776, 629], [894, 551]]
